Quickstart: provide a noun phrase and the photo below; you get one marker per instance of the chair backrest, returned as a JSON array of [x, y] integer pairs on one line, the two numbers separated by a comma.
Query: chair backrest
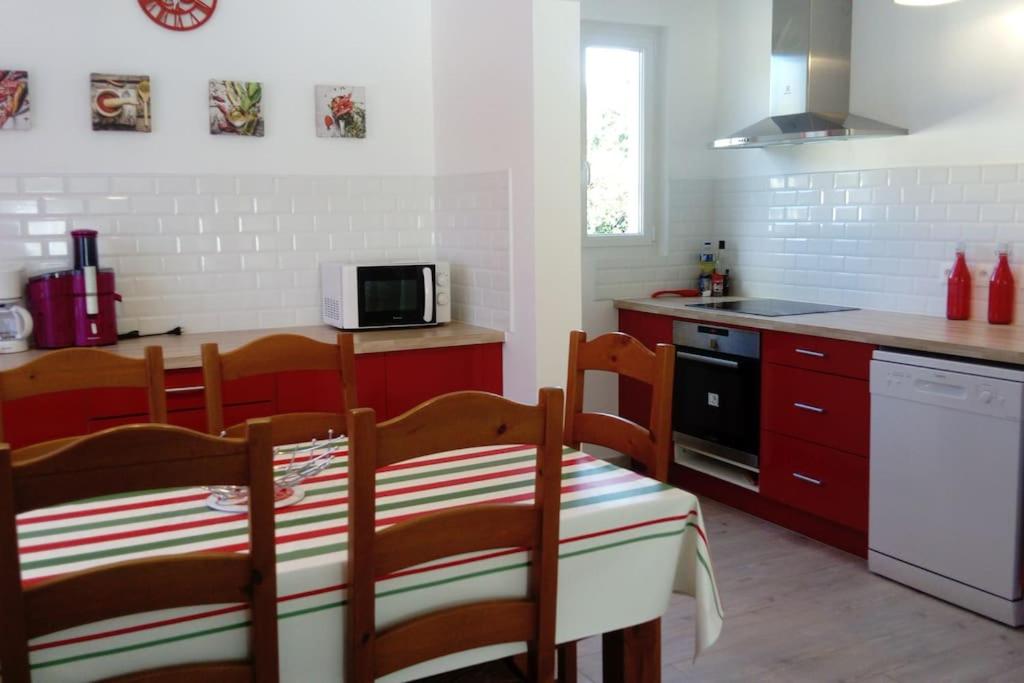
[[281, 353], [460, 420], [71, 369], [139, 458], [623, 355]]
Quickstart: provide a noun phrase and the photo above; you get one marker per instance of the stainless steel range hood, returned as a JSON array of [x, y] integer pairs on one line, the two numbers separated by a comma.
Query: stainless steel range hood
[[810, 80]]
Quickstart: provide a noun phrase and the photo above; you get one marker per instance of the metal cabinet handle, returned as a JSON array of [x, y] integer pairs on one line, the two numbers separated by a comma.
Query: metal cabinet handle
[[185, 390], [707, 360], [808, 352], [809, 480], [809, 408]]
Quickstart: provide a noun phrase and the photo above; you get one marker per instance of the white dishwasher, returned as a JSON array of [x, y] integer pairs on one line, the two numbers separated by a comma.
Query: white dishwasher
[[945, 502]]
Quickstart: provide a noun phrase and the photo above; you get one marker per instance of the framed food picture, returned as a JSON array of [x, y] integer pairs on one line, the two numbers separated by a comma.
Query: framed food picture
[[121, 102], [14, 101], [340, 111], [236, 108]]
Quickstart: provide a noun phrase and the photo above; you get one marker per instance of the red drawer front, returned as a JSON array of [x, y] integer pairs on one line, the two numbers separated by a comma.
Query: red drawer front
[[184, 390], [851, 359], [825, 409], [194, 418], [822, 481]]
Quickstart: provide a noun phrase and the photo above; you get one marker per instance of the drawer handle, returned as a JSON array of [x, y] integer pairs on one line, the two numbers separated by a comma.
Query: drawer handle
[[809, 408], [808, 352], [186, 390], [809, 480]]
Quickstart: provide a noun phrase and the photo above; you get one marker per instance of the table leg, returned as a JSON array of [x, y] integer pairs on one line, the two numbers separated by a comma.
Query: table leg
[[633, 654]]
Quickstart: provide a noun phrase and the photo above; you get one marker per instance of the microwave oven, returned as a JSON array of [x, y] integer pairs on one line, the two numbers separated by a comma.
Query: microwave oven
[[361, 297]]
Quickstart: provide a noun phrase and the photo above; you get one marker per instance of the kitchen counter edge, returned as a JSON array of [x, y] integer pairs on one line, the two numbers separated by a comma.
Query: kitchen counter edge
[[184, 351], [963, 338]]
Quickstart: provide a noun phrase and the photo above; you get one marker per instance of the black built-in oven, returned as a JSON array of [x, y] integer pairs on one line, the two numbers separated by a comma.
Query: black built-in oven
[[717, 398]]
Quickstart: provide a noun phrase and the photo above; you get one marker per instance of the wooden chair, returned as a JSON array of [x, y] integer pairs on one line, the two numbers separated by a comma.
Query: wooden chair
[[459, 420], [281, 353], [650, 446], [72, 369], [138, 458]]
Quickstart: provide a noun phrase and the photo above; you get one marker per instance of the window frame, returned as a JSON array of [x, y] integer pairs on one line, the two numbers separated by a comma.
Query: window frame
[[648, 41]]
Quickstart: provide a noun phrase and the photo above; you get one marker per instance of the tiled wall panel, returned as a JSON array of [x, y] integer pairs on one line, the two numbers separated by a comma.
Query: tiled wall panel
[[242, 252], [472, 227], [671, 261], [877, 238]]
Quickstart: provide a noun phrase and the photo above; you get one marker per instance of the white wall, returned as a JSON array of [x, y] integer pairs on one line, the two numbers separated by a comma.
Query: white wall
[[481, 47], [688, 99], [501, 70], [951, 74], [556, 148], [384, 45]]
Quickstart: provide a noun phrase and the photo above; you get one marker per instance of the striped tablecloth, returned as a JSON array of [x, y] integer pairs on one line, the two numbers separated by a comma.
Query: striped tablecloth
[[626, 543]]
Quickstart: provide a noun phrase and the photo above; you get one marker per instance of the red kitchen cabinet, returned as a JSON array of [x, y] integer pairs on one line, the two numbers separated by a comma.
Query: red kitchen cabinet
[[825, 409], [825, 482], [372, 382], [651, 330], [415, 376], [390, 383], [815, 421], [832, 356]]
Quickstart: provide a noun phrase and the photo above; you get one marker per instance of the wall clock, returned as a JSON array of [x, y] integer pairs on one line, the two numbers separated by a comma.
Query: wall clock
[[179, 15]]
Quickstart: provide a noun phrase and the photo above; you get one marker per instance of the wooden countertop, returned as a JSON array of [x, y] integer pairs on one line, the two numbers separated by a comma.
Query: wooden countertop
[[183, 351], [967, 338]]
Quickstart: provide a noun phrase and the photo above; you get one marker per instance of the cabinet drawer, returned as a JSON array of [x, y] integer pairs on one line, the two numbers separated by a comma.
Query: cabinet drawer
[[184, 389], [850, 359], [825, 409], [822, 481]]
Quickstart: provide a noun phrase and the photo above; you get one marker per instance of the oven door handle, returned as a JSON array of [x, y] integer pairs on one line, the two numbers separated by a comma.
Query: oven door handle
[[708, 360]]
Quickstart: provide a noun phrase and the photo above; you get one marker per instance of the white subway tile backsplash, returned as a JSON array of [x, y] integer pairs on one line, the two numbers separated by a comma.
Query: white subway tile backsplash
[[88, 184], [999, 174], [155, 205], [45, 227], [217, 184], [19, 206], [234, 203], [132, 185], [932, 175], [108, 205], [256, 185], [42, 185], [193, 205], [176, 185], [191, 250], [888, 250]]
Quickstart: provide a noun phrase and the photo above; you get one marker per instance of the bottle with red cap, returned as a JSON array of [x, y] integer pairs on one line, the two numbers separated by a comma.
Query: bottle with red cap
[[1000, 290], [958, 294]]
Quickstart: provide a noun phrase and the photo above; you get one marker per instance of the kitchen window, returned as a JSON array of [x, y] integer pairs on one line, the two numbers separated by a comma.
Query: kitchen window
[[621, 184]]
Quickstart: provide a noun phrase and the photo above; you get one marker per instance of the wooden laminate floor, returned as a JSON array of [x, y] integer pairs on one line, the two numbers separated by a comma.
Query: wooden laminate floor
[[797, 610]]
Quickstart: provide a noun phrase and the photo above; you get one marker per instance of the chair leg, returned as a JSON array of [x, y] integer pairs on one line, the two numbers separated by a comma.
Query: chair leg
[[567, 663]]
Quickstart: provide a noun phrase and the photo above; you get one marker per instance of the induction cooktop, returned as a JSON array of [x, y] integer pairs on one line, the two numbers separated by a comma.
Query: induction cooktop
[[772, 308]]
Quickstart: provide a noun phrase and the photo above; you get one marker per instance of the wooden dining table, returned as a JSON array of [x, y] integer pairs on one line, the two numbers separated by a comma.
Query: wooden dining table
[[627, 542]]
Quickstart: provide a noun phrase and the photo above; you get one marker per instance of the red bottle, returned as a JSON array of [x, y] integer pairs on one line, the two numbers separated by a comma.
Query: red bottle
[[958, 295], [1000, 291]]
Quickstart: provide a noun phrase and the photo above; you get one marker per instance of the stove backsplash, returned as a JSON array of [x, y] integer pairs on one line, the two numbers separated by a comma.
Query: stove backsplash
[[879, 238], [226, 252]]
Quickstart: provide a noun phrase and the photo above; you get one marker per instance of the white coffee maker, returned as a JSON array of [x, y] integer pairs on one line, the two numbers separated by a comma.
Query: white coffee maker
[[15, 320]]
